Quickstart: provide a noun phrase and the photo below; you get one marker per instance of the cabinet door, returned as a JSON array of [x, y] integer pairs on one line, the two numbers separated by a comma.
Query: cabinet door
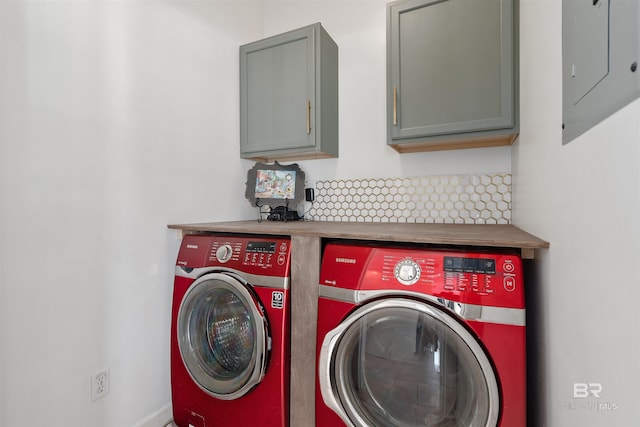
[[450, 68], [277, 93]]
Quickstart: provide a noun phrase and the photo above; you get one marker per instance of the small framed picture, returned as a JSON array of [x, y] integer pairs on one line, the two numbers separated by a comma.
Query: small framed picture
[[275, 185]]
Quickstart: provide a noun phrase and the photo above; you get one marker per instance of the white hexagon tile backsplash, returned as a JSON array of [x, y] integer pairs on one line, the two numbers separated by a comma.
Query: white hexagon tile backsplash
[[455, 199]]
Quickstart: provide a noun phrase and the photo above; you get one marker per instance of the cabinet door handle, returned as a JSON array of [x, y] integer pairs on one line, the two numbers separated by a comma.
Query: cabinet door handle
[[308, 116], [395, 105]]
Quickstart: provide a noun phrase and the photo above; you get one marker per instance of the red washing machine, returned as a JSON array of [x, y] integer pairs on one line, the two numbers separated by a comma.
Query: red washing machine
[[230, 332], [410, 336]]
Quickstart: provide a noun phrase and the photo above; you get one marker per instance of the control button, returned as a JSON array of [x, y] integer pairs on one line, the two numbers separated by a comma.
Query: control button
[[407, 272], [469, 265], [453, 264], [448, 263], [508, 266], [510, 283], [488, 266], [224, 253]]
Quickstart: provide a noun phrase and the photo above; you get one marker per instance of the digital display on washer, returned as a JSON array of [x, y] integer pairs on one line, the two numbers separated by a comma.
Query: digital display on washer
[[469, 265], [261, 247]]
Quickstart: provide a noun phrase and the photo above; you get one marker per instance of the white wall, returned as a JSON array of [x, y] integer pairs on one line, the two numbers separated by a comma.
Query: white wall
[[584, 198], [120, 117], [117, 119]]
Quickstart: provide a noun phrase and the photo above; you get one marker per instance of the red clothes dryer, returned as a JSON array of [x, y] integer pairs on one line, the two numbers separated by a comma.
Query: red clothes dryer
[[230, 332], [411, 336]]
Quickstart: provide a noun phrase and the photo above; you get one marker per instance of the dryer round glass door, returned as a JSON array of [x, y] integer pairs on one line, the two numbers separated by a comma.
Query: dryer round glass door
[[401, 362], [223, 336]]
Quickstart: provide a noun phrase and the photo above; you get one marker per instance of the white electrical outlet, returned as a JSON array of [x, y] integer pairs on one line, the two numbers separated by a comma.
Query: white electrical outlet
[[99, 384]]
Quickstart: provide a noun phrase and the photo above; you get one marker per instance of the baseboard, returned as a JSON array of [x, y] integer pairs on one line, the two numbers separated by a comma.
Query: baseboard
[[161, 418]]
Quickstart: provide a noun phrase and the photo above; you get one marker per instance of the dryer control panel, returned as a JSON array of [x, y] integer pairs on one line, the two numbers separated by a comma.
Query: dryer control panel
[[482, 278]]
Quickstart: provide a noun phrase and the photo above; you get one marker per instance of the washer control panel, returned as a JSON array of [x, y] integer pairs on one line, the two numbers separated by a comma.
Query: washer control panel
[[247, 252], [257, 255]]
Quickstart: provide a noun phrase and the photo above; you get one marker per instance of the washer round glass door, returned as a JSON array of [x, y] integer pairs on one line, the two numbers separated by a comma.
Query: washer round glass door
[[401, 362], [222, 336]]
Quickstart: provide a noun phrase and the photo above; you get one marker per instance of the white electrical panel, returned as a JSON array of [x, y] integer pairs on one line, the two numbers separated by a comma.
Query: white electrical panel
[[600, 50]]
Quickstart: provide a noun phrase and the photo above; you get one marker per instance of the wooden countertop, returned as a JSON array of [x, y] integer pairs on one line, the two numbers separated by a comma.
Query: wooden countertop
[[502, 236]]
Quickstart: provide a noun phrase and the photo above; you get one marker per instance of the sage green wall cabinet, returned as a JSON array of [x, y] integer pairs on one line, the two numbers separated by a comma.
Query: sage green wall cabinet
[[289, 96], [452, 74]]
